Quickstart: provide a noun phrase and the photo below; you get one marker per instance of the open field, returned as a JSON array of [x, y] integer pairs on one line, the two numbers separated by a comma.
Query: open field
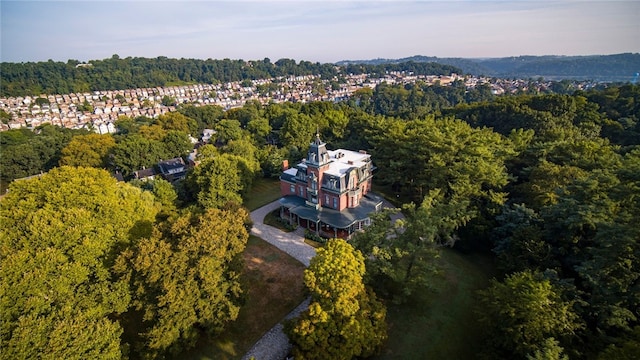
[[273, 287], [262, 192], [442, 324]]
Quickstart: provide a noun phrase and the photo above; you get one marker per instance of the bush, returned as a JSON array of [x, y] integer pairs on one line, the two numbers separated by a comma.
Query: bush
[[273, 219], [314, 237]]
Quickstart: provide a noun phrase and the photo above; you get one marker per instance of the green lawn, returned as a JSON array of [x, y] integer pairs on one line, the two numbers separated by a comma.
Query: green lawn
[[262, 192], [273, 219], [443, 324]]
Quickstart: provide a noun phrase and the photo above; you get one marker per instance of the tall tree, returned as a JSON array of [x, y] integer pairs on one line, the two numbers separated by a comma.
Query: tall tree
[[186, 278], [217, 181], [523, 311], [446, 154], [61, 235], [400, 255], [178, 122], [297, 129], [344, 320], [136, 152], [176, 144], [88, 150]]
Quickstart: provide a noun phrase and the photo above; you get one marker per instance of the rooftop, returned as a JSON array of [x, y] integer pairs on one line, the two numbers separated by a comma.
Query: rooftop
[[342, 160]]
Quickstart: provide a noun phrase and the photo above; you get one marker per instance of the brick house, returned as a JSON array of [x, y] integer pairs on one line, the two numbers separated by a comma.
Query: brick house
[[329, 191]]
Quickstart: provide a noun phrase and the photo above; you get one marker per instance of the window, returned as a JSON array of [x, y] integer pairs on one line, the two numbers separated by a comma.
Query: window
[[335, 203], [301, 191], [326, 200], [292, 189]]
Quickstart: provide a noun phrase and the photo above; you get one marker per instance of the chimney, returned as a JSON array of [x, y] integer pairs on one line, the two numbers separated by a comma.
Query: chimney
[[285, 165]]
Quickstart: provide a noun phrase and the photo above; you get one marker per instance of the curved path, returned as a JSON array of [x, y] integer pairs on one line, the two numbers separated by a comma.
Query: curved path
[[289, 242], [274, 345]]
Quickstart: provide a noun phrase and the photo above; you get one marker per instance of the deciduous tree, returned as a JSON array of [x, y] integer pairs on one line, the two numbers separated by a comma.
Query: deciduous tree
[[217, 180], [400, 256], [186, 278], [61, 234], [344, 320], [136, 152], [88, 150], [522, 311]]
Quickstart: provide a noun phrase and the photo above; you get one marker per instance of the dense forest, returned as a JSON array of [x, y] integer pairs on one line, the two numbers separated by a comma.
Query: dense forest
[[548, 184], [618, 67], [20, 79]]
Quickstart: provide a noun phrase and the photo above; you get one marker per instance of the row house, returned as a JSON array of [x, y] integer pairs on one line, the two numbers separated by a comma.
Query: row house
[[108, 105]]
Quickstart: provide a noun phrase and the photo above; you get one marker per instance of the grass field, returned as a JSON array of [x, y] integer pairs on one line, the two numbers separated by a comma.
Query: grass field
[[274, 286], [273, 283], [442, 325], [262, 192]]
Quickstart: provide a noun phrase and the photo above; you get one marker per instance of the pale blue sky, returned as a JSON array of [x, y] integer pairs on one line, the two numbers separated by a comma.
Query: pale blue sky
[[324, 31]]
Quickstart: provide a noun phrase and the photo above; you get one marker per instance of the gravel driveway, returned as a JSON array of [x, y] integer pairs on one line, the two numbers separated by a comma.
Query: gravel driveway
[[274, 345]]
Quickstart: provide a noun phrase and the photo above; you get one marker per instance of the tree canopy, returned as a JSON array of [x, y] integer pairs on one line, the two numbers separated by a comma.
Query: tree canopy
[[522, 313], [344, 319], [185, 277], [61, 235]]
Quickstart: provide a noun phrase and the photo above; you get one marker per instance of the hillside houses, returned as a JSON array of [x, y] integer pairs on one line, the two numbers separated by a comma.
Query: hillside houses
[[70, 110]]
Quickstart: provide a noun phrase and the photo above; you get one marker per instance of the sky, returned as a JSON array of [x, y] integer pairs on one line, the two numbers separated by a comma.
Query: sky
[[317, 31]]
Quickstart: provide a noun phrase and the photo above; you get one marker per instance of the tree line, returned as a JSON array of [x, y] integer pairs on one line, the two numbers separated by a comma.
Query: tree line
[[615, 67], [115, 73]]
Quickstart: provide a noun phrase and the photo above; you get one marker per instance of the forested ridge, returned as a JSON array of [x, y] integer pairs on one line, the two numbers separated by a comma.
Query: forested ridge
[[615, 67], [548, 184], [115, 73]]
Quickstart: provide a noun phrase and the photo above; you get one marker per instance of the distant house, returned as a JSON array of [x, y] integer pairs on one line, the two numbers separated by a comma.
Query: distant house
[[207, 134], [105, 128], [328, 192], [118, 176], [145, 174], [173, 169]]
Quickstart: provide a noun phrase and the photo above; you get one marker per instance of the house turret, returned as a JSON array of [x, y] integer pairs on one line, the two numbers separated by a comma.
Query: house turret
[[318, 155]]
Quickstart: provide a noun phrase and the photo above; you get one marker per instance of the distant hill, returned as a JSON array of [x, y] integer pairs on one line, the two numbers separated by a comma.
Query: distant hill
[[618, 67]]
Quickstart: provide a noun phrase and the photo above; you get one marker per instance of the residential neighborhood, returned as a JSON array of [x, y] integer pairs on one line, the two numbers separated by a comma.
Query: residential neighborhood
[[99, 110]]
